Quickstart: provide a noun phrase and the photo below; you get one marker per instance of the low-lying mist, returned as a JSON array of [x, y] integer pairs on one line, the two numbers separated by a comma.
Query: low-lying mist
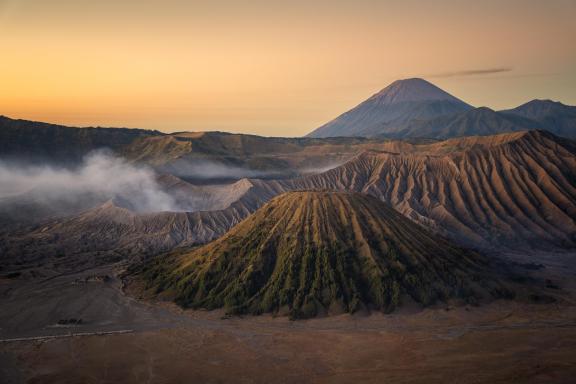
[[208, 170], [30, 193], [204, 169], [100, 176]]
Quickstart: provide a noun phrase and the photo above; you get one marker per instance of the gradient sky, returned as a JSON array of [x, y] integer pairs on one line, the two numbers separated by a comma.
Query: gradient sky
[[274, 68]]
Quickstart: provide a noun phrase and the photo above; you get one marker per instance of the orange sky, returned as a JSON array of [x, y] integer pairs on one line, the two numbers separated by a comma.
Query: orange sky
[[269, 67]]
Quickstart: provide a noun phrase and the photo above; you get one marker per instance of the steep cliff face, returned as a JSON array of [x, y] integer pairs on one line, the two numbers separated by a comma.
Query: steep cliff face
[[309, 253]]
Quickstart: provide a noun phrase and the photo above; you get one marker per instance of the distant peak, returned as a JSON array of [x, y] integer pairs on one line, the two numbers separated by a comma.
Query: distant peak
[[244, 182], [409, 90], [543, 102], [537, 107], [482, 110], [412, 80]]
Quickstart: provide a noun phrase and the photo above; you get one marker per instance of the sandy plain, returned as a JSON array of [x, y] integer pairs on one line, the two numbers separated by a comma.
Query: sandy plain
[[503, 342]]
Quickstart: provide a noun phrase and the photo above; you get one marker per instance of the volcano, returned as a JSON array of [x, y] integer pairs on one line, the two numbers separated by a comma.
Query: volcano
[[388, 111], [310, 253]]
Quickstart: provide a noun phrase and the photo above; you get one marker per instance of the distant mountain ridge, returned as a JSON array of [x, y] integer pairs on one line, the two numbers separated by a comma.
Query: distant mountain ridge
[[38, 142], [410, 109], [554, 116], [195, 155], [415, 108], [481, 121]]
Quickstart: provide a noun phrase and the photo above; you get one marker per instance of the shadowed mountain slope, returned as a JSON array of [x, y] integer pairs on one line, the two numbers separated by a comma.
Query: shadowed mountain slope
[[387, 112], [42, 142], [309, 253], [475, 122], [199, 156], [555, 117]]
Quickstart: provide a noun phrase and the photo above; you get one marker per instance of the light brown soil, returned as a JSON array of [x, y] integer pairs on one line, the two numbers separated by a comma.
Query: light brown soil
[[320, 351], [504, 342]]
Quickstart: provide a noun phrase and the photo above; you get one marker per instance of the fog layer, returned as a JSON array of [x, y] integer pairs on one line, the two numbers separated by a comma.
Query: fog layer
[[100, 174]]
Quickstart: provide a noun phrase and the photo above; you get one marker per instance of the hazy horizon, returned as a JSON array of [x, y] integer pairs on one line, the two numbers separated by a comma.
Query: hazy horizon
[[272, 69]]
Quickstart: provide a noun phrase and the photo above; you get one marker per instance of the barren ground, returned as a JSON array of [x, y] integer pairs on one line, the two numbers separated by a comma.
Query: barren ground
[[504, 342]]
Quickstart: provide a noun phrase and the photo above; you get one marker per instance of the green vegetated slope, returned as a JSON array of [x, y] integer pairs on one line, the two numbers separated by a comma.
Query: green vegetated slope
[[310, 253]]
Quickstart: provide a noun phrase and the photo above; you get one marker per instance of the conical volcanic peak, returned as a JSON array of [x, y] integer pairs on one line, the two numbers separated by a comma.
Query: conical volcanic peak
[[411, 90], [388, 111], [309, 253]]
